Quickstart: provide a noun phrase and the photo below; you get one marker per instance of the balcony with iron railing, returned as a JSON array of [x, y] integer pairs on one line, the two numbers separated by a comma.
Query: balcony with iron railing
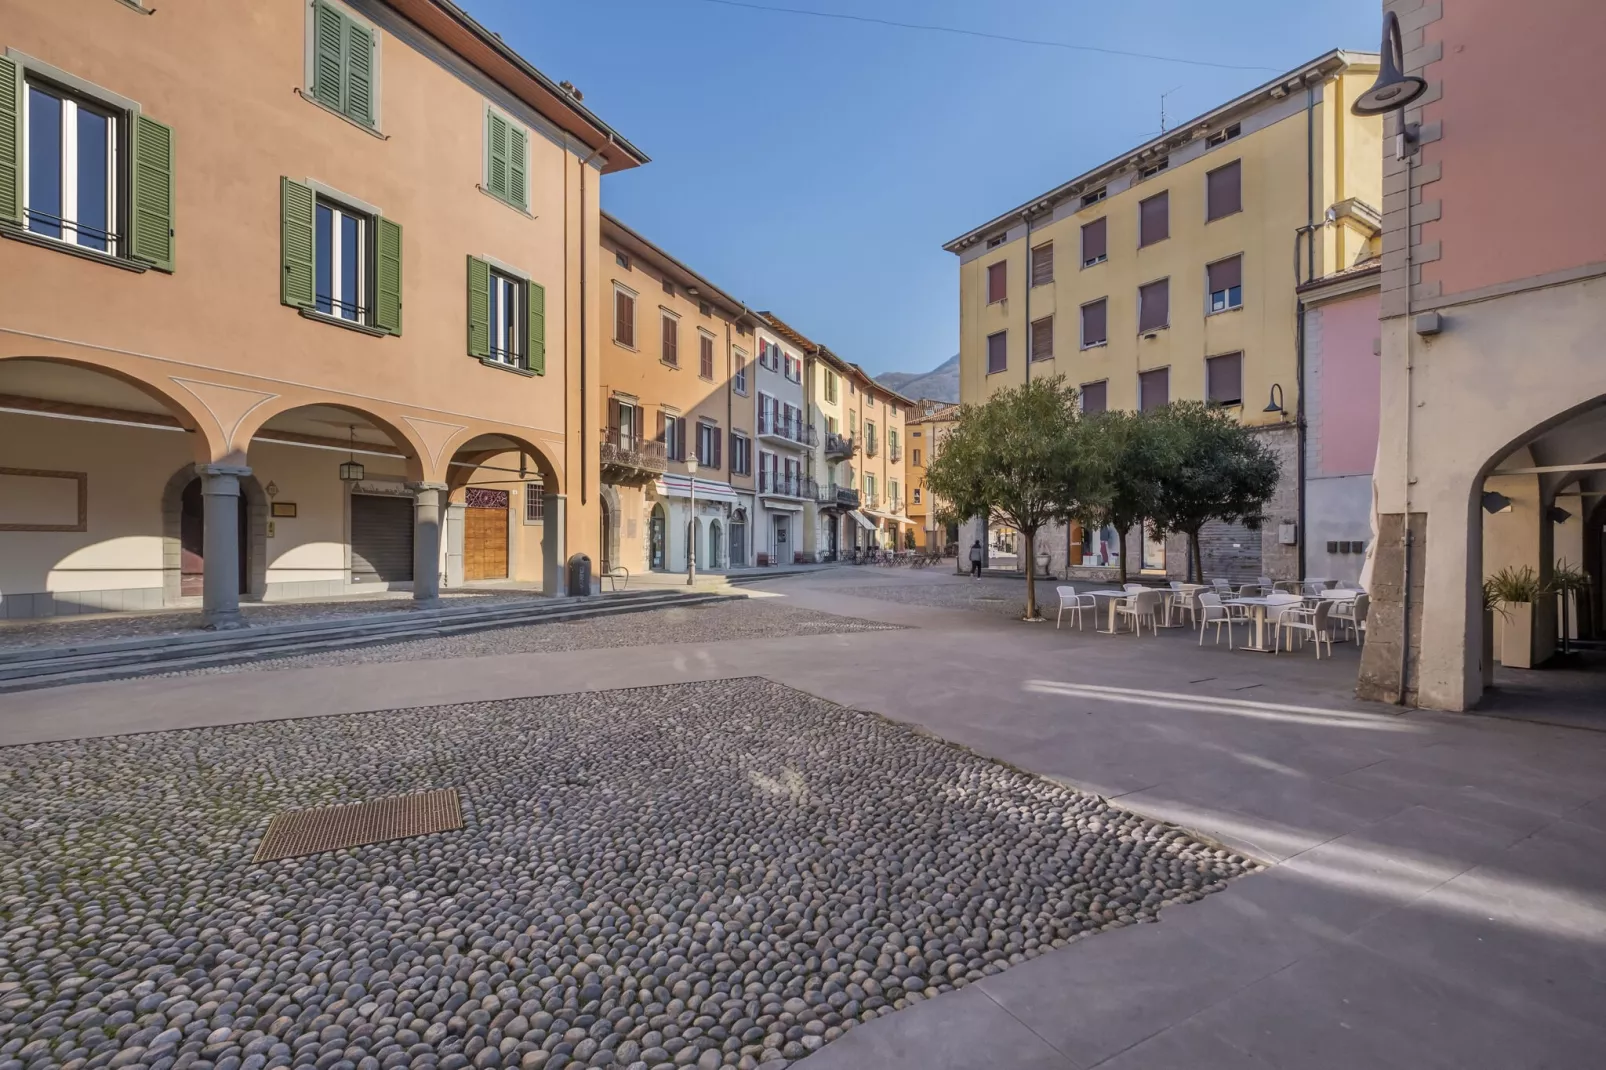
[[628, 457], [895, 454], [871, 499], [782, 486], [839, 446], [871, 447], [894, 506], [793, 433], [836, 496]]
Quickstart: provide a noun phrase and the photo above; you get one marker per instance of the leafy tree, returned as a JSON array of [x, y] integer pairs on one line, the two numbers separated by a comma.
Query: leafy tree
[[1013, 458], [1123, 459], [1217, 469]]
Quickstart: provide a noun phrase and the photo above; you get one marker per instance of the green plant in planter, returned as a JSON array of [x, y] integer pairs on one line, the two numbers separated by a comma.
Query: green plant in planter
[[1565, 577], [1514, 586]]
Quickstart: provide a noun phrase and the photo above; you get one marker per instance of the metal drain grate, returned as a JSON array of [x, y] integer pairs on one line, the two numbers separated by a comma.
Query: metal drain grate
[[333, 828]]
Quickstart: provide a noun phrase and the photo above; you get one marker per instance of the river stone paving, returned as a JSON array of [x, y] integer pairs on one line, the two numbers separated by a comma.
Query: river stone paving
[[1006, 597], [715, 622], [715, 874]]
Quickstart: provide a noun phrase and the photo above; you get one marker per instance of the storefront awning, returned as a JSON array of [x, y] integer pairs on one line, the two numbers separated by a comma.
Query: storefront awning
[[708, 490], [860, 519], [785, 505]]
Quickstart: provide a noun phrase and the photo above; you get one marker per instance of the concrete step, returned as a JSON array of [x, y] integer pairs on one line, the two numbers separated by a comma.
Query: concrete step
[[111, 659]]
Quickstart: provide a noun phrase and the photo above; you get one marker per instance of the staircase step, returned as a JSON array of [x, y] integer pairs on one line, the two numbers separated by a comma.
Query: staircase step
[[93, 662]]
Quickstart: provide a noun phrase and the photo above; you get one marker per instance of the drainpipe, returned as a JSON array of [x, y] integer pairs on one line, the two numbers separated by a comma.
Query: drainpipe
[[585, 424], [1026, 332]]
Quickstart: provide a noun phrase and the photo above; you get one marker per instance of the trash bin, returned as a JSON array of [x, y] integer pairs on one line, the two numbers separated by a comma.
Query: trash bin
[[579, 575]]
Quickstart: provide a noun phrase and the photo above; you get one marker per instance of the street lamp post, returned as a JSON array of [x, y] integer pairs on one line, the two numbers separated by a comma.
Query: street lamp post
[[691, 529]]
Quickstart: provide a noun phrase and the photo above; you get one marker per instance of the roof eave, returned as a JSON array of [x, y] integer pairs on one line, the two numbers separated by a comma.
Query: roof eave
[[1339, 59], [621, 233]]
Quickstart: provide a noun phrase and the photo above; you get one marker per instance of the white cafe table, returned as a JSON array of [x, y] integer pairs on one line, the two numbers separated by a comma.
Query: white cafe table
[[1112, 599], [1259, 607]]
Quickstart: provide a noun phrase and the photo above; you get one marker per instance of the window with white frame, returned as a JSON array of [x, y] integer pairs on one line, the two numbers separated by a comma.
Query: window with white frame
[[534, 502], [71, 171], [917, 495], [794, 368], [340, 277], [741, 454], [739, 380], [507, 319]]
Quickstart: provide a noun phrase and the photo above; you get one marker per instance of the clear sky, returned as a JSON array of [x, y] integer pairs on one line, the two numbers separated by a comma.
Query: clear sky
[[815, 167]]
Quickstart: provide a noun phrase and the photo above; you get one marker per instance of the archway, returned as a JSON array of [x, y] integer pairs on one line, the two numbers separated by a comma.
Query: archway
[[715, 546], [184, 537], [505, 513], [85, 452], [657, 538], [610, 525]]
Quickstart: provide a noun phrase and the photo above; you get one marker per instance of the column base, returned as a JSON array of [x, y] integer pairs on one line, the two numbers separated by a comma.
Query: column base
[[223, 622]]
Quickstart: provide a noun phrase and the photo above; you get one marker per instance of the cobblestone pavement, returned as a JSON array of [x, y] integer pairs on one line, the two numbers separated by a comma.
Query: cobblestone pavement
[[55, 631], [712, 874], [1006, 597], [747, 618]]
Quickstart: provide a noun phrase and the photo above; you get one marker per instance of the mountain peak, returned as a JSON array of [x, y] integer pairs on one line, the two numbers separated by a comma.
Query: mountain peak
[[940, 383]]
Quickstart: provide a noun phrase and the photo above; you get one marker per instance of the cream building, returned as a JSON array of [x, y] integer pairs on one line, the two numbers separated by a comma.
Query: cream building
[[1170, 272]]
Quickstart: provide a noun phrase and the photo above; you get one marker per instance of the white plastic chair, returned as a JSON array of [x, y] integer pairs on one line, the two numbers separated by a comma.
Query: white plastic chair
[[1350, 614], [1183, 604], [1297, 620], [1211, 611], [1074, 602], [1141, 606]]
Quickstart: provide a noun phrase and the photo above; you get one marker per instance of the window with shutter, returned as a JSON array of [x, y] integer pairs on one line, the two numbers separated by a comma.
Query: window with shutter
[[1154, 219], [997, 282], [997, 352], [1224, 282], [344, 72], [1154, 388], [1224, 379], [535, 298], [705, 356], [479, 308], [1094, 397], [388, 276], [624, 318], [1094, 247], [1043, 264], [1154, 306], [296, 237], [1095, 325], [1043, 338], [506, 160], [671, 340], [1224, 191], [11, 105]]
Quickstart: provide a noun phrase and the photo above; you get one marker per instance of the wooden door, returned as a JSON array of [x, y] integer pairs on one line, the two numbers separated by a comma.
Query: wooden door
[[485, 534]]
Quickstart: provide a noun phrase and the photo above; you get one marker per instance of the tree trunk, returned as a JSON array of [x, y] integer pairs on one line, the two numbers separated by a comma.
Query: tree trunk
[[1031, 576], [1195, 557], [1121, 534]]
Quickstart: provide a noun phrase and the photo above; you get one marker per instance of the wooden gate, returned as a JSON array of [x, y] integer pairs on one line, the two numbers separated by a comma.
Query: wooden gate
[[485, 534]]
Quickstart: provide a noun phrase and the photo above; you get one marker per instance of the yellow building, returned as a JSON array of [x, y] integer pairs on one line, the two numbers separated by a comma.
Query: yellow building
[[1169, 273], [927, 423]]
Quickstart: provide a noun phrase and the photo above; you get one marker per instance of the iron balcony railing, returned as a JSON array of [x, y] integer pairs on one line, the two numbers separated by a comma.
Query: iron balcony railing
[[624, 450], [773, 426], [871, 499], [871, 447], [895, 506], [840, 445], [838, 496], [895, 454], [782, 487]]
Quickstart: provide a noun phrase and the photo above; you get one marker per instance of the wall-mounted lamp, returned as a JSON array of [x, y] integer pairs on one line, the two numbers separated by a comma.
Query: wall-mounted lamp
[[1495, 502], [1393, 90], [1275, 403], [1558, 515]]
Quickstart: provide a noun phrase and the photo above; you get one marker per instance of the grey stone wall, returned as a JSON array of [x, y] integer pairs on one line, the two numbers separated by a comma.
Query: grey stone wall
[[1276, 560]]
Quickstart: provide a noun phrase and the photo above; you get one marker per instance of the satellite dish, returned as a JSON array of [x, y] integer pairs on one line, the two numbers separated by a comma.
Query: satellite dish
[[1393, 89]]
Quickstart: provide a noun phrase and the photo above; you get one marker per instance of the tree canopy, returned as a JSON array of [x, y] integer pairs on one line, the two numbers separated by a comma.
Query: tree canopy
[[1015, 458], [1123, 460]]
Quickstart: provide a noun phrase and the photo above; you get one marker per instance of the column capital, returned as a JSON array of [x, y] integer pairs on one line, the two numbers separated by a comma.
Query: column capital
[[417, 487], [222, 470], [558, 496]]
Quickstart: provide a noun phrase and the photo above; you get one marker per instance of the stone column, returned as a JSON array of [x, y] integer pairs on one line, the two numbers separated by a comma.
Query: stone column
[[427, 501], [455, 526], [220, 546], [553, 566]]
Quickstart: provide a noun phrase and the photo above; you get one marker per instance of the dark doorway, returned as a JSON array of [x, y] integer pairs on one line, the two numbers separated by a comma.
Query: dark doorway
[[192, 541], [833, 533], [606, 526], [382, 538], [655, 538]]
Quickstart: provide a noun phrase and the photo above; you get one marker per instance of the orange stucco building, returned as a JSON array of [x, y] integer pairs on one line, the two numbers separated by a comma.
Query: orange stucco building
[[369, 239]]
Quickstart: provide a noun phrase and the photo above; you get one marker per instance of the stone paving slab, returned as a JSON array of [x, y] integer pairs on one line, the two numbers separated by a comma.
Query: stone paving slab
[[721, 874]]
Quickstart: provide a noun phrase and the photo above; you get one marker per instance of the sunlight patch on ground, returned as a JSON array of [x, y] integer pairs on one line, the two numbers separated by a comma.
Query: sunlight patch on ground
[[1262, 711]]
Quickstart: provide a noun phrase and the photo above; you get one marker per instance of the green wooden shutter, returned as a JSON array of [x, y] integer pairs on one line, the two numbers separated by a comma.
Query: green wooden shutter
[[537, 327], [296, 213], [10, 142], [151, 194], [328, 56], [516, 192], [359, 73], [496, 167], [388, 287], [479, 308]]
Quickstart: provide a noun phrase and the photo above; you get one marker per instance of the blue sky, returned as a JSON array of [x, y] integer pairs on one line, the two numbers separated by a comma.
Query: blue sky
[[815, 167]]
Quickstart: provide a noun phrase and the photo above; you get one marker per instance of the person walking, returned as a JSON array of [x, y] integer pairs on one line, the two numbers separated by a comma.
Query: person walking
[[975, 560]]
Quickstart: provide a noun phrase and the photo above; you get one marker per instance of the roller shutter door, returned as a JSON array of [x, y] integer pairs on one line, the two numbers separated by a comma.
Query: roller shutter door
[[381, 539]]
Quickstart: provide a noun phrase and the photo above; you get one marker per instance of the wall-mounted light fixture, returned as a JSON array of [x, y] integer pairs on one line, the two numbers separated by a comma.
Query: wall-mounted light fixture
[[351, 471], [1275, 403], [1558, 515], [1495, 502]]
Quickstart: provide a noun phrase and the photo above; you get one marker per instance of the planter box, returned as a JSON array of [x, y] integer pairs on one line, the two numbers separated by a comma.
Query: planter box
[[1517, 635]]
